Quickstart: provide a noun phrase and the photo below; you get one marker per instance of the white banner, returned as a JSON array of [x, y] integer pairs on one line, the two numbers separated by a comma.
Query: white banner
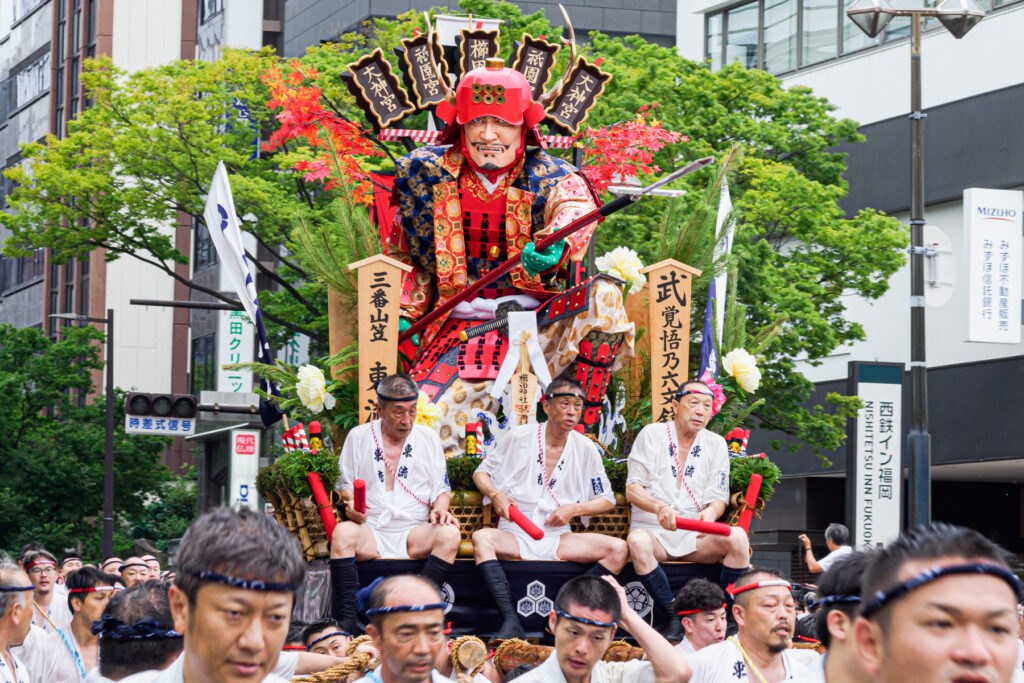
[[992, 243], [234, 345], [245, 458], [878, 466]]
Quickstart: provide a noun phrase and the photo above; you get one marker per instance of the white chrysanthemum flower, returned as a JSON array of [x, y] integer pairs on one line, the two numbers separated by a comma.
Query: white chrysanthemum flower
[[427, 414], [312, 389], [625, 264], [741, 365]]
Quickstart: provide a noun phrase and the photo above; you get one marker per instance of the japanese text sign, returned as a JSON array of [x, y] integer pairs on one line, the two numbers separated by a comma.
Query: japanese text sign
[[235, 344], [380, 287], [874, 457], [420, 77], [377, 90], [992, 243], [585, 84], [475, 47], [669, 284], [159, 426], [535, 59]]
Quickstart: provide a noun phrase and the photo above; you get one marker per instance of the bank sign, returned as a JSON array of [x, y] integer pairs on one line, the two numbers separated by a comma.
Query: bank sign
[[992, 244], [874, 466]]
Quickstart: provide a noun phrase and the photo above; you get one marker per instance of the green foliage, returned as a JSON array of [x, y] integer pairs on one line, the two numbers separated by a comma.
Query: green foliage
[[617, 471], [170, 515], [460, 472], [51, 468], [741, 468], [289, 471]]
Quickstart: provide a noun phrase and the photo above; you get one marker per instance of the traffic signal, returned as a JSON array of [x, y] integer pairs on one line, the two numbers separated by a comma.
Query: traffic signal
[[181, 406]]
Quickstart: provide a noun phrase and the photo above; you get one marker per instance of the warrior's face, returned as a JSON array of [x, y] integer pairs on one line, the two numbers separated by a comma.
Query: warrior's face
[[492, 143]]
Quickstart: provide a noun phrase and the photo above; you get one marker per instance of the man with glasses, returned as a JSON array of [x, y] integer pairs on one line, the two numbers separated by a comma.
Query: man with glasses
[[551, 473], [680, 469], [49, 614], [407, 494]]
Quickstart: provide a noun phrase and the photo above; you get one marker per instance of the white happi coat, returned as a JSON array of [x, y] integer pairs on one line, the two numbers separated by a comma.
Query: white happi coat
[[705, 470], [516, 469], [175, 673], [723, 663], [632, 671], [422, 463]]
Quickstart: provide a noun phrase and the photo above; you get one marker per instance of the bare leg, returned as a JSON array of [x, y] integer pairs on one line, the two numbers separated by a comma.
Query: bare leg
[[492, 544], [353, 540], [610, 552], [440, 541]]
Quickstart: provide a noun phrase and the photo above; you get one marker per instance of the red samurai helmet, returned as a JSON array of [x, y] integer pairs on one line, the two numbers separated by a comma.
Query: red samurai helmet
[[497, 91]]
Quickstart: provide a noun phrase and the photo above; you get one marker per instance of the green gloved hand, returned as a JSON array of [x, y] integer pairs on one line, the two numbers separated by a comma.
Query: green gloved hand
[[537, 262], [403, 325]]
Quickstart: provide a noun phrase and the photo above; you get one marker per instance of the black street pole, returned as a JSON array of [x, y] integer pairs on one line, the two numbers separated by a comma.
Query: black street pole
[[918, 439], [108, 456]]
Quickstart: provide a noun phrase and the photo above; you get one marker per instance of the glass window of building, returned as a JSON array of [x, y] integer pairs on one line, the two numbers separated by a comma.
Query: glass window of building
[[714, 50], [820, 30], [780, 35], [741, 42]]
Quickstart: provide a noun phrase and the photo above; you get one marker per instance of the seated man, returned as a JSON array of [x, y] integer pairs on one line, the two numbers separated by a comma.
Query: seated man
[[551, 473], [587, 612], [765, 614], [700, 609], [939, 604], [680, 469], [407, 496]]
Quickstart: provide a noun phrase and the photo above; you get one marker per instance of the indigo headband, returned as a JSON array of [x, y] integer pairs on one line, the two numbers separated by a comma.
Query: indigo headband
[[404, 608], [592, 622], [16, 589], [386, 397], [147, 629], [247, 584], [831, 600], [560, 394], [882, 598], [329, 635]]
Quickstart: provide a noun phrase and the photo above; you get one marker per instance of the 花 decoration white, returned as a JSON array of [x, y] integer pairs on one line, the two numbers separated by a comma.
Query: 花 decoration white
[[312, 389], [427, 414], [625, 264], [741, 365]]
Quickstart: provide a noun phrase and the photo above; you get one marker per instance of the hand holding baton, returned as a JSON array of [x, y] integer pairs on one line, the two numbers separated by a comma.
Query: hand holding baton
[[323, 503], [524, 522], [699, 525], [359, 496]]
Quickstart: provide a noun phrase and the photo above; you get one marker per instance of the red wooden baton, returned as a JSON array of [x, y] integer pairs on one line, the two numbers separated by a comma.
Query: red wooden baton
[[524, 522], [716, 528], [323, 503], [359, 496], [753, 488]]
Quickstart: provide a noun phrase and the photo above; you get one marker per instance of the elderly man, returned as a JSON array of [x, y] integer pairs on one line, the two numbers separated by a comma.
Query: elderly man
[[837, 540], [586, 614], [939, 604], [700, 609], [407, 496], [134, 571], [233, 597], [837, 607], [154, 567], [464, 209], [407, 627], [765, 614], [680, 469], [51, 613], [552, 474], [15, 619]]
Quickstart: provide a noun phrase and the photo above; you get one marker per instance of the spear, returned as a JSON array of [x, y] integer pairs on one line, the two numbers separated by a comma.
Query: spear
[[611, 207]]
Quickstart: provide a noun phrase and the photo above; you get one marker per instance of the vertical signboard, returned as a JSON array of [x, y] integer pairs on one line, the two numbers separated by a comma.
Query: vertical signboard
[[874, 461], [669, 284], [235, 344], [245, 457], [380, 287], [992, 243]]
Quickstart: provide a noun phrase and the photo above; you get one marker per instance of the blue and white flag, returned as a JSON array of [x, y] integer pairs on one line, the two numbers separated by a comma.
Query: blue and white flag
[[222, 224], [717, 286]]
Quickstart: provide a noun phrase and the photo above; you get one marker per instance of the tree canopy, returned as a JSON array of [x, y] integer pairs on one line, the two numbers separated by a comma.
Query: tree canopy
[[153, 138], [52, 446]]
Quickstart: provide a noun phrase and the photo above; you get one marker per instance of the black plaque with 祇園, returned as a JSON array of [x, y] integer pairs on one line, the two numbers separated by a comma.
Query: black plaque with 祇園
[[377, 90], [579, 94], [535, 59], [418, 73], [475, 47]]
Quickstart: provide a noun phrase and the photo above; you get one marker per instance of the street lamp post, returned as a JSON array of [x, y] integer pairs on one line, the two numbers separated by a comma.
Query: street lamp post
[[871, 16], [108, 454]]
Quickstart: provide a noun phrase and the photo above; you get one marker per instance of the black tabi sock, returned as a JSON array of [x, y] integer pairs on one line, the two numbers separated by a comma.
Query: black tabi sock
[[344, 584], [656, 583], [599, 570], [436, 569]]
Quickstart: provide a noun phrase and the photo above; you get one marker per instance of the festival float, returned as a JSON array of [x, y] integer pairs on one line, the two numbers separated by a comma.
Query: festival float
[[620, 328]]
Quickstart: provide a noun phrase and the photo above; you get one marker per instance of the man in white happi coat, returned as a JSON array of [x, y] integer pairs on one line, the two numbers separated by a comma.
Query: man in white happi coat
[[551, 473], [407, 495], [680, 469], [15, 620], [49, 598], [700, 608], [765, 614], [586, 614]]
